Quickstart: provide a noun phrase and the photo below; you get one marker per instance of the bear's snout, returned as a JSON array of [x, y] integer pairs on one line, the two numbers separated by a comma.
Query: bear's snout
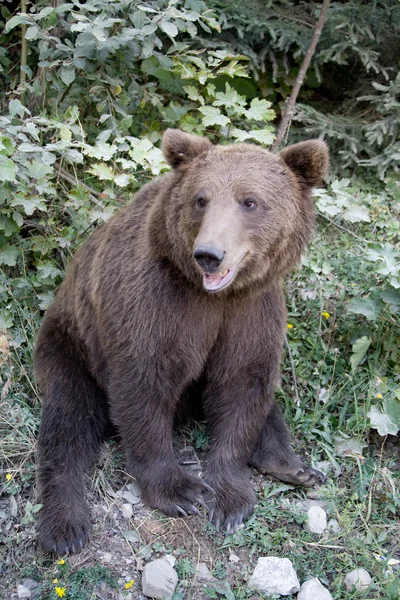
[[208, 257]]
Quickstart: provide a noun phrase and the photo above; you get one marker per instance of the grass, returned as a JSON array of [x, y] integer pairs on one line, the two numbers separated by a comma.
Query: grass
[[331, 427]]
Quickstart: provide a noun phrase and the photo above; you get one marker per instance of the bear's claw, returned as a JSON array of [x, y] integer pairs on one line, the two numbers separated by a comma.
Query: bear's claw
[[63, 538]]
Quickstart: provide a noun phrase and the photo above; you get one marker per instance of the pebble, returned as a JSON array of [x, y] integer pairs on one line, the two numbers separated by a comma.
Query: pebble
[[313, 590], [333, 526], [203, 572], [31, 584], [234, 558], [23, 592], [274, 575], [13, 506], [358, 579], [159, 579], [107, 557], [127, 510], [316, 520]]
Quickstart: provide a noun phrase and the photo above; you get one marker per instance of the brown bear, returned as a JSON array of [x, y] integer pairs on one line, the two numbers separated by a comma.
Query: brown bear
[[179, 293]]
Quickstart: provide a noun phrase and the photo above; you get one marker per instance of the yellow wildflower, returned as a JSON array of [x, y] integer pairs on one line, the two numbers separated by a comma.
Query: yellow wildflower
[[55, 580], [379, 396], [289, 326], [60, 591], [8, 476], [61, 562], [326, 315], [129, 584]]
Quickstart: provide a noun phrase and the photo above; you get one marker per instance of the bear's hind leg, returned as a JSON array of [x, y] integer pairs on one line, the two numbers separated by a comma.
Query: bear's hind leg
[[274, 455], [74, 421]]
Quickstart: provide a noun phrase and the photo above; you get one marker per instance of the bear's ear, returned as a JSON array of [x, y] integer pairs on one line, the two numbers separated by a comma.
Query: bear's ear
[[180, 147], [309, 160]]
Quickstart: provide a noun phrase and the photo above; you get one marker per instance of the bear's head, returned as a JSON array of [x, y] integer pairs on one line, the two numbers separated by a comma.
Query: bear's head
[[235, 215]]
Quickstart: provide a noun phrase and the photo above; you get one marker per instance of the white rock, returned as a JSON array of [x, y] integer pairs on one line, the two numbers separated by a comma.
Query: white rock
[[203, 572], [23, 592], [234, 558], [274, 575], [159, 579], [107, 557], [358, 579], [313, 590], [127, 510], [316, 520]]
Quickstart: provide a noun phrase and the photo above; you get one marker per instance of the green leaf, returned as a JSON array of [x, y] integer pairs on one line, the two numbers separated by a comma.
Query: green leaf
[[169, 28], [260, 110], [359, 351], [369, 307], [392, 296], [123, 180], [15, 21], [29, 204], [47, 270], [6, 146], [263, 136], [356, 214], [9, 255], [16, 108], [213, 116], [8, 226], [194, 94], [67, 74], [230, 99], [8, 169], [32, 32], [38, 169], [102, 171], [6, 320], [381, 419]]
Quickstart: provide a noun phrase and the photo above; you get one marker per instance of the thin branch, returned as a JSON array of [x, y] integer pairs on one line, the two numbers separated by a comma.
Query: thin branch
[[75, 181], [24, 56], [288, 114], [296, 388]]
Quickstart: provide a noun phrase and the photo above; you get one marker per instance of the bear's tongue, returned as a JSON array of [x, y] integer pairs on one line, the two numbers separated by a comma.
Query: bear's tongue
[[215, 281]]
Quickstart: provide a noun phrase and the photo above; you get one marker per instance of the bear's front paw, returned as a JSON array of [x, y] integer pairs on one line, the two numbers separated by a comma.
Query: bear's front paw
[[232, 503], [175, 492], [63, 532]]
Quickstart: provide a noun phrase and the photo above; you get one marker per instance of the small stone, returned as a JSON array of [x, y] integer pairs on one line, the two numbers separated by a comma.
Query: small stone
[[313, 590], [159, 579], [274, 575], [13, 506], [107, 557], [358, 579], [203, 572], [31, 584], [23, 592], [333, 526], [234, 558], [127, 510], [316, 520]]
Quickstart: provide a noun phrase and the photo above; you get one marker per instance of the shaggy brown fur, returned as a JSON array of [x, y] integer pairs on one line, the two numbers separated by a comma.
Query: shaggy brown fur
[[134, 325]]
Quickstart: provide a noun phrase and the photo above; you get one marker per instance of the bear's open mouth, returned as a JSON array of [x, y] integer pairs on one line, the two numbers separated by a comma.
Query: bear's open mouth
[[214, 282]]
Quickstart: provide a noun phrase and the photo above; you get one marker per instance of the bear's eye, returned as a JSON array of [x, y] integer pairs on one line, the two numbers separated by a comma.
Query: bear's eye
[[201, 202], [249, 203]]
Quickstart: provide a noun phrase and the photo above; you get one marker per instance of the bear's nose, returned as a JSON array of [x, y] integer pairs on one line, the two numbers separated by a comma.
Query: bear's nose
[[208, 257]]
